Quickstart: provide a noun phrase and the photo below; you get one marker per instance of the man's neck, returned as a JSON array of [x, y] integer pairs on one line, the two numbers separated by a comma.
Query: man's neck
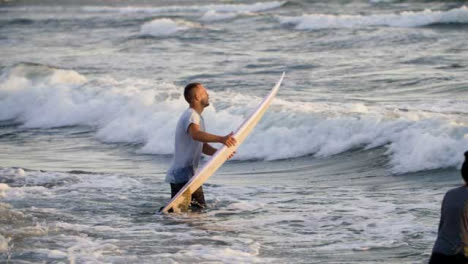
[[197, 107]]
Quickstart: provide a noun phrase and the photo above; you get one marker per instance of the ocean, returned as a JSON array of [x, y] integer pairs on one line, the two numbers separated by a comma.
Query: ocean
[[348, 165]]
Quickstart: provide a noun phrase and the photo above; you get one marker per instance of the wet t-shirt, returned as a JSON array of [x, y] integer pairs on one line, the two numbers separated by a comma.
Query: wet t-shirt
[[452, 237], [187, 151]]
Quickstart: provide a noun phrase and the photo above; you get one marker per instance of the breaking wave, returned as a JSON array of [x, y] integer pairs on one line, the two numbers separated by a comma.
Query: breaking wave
[[404, 19], [162, 27], [142, 112]]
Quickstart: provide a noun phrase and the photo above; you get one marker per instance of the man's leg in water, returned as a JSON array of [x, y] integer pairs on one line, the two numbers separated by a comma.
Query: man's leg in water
[[175, 188], [198, 197]]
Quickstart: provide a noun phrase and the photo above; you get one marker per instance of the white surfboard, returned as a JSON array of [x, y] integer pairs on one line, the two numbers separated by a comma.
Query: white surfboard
[[181, 201]]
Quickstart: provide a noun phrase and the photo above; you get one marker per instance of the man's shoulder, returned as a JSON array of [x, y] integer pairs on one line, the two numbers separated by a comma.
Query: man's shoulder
[[461, 190], [186, 114], [191, 114]]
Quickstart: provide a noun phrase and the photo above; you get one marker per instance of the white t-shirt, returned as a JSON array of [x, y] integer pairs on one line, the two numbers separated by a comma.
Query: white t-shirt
[[187, 151]]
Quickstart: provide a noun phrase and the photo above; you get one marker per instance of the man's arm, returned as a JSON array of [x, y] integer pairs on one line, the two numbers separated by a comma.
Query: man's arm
[[198, 135], [208, 149]]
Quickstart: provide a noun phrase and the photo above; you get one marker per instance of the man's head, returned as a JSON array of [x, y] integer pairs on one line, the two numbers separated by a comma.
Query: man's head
[[464, 169], [196, 93]]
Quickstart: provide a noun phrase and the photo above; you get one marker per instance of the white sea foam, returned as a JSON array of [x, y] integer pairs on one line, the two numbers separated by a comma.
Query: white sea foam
[[7, 215], [212, 15], [20, 232], [162, 27], [109, 182], [134, 110], [3, 243], [82, 249], [245, 206], [326, 220], [3, 188], [20, 172], [27, 192], [404, 19], [45, 183], [225, 12], [346, 218], [57, 254], [204, 253]]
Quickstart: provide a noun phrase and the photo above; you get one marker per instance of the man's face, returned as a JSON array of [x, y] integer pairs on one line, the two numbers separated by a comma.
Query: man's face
[[203, 96]]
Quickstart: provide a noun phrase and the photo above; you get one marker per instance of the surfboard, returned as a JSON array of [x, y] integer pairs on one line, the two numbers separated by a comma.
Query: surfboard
[[181, 201]]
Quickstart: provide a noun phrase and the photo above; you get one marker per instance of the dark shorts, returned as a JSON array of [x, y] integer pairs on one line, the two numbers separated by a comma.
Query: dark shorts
[[182, 175], [198, 198], [437, 258]]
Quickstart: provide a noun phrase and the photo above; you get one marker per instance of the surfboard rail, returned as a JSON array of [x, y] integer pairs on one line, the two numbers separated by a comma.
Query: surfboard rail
[[181, 201]]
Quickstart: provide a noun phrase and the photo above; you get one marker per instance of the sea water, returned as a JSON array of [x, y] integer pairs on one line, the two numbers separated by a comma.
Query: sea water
[[349, 164]]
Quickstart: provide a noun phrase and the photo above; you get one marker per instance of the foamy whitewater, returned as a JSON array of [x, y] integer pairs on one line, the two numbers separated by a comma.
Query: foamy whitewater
[[349, 164], [403, 19]]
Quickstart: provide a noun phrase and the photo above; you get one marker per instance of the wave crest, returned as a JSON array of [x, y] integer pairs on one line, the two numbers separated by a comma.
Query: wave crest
[[143, 112], [404, 19], [162, 27], [255, 7]]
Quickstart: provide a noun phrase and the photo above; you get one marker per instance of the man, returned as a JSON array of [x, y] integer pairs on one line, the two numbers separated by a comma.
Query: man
[[190, 141], [451, 245]]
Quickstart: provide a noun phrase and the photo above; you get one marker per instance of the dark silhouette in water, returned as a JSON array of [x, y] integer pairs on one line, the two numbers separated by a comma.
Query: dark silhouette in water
[[451, 245]]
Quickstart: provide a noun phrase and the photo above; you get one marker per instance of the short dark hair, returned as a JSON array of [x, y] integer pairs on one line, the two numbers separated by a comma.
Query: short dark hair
[[188, 91], [464, 169]]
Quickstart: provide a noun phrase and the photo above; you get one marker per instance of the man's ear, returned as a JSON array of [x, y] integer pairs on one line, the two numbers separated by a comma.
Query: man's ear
[[196, 97]]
